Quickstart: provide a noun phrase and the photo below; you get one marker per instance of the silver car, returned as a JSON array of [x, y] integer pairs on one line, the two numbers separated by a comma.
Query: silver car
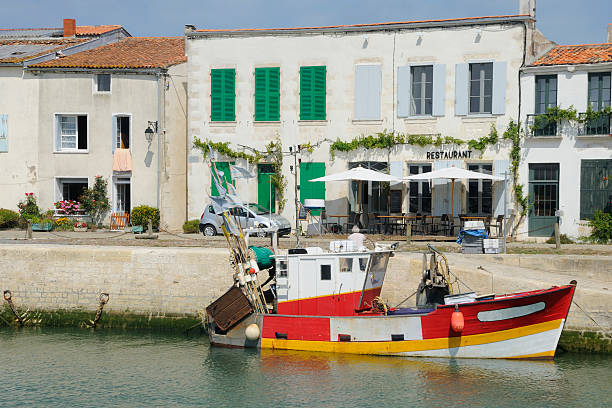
[[249, 216]]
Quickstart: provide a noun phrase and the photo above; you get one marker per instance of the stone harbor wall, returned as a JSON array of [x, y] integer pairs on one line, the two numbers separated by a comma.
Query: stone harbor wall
[[183, 281]]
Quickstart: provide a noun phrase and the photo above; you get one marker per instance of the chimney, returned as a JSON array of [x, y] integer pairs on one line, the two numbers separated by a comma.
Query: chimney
[[69, 27], [610, 33], [527, 7]]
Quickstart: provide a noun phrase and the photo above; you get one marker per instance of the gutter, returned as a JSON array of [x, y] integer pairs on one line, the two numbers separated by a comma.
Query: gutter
[[159, 133], [597, 66], [139, 71], [518, 19]]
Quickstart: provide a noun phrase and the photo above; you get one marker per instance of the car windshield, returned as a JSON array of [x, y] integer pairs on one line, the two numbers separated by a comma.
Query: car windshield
[[257, 209]]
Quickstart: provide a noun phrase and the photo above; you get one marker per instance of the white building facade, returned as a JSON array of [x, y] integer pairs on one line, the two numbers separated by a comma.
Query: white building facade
[[445, 78], [567, 164]]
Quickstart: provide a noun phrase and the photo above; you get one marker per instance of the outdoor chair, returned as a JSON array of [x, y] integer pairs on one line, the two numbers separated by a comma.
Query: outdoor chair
[[446, 225], [499, 225]]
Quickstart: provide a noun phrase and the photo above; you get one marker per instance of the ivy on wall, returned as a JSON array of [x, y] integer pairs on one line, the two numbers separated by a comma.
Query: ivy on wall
[[555, 114], [273, 154]]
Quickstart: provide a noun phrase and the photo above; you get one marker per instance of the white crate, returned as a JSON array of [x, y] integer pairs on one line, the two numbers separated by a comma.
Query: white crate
[[492, 251], [342, 246], [490, 243], [474, 225]]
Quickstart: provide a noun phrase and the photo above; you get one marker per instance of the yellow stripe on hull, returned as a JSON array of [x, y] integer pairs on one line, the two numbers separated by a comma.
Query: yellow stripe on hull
[[409, 346]]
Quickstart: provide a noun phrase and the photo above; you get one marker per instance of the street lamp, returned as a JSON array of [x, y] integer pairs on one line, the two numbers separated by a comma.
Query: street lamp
[[150, 131]]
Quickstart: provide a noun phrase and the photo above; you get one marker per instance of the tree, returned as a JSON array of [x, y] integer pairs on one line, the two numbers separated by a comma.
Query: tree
[[95, 200]]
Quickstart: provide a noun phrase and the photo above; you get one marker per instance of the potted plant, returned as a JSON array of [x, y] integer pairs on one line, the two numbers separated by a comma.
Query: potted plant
[[80, 226]]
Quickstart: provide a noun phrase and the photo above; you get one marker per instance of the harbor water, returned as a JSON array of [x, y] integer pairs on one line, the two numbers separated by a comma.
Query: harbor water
[[83, 368]]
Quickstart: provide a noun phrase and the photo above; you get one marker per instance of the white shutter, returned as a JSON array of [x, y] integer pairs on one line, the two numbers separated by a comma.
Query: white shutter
[[403, 91], [462, 72], [58, 134], [499, 168], [499, 88], [396, 170], [114, 134], [367, 92], [439, 89], [4, 133]]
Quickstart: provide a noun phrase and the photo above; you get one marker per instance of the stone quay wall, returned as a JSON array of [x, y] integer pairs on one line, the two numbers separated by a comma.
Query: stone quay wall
[[171, 281]]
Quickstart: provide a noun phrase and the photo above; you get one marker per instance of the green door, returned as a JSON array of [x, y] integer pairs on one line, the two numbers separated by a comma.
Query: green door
[[595, 186], [544, 198], [309, 171], [222, 167], [264, 172]]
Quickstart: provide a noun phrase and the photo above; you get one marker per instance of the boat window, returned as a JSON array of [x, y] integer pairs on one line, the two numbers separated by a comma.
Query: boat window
[[325, 272], [282, 269], [363, 264], [379, 262], [346, 265]]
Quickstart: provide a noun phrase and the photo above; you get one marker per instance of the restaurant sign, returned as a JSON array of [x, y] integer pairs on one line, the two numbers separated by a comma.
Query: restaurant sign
[[448, 155]]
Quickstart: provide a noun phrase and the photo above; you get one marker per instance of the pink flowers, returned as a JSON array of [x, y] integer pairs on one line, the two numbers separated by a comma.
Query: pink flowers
[[68, 207]]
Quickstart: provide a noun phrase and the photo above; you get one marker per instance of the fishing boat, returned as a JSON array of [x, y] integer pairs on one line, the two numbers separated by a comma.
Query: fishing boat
[[329, 301]]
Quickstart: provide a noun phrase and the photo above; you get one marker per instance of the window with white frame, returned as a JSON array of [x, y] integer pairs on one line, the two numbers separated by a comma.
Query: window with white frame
[[70, 133], [122, 132], [419, 196], [480, 192], [122, 200], [102, 82], [421, 100], [70, 188], [481, 87]]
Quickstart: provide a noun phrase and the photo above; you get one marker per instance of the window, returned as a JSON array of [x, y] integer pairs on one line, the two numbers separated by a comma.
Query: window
[[422, 90], [121, 134], [312, 93], [70, 188], [367, 92], [346, 264], [599, 98], [595, 190], [545, 98], [122, 195], [267, 94], [480, 192], [309, 171], [325, 272], [103, 82], [374, 194], [543, 198], [363, 264], [71, 132], [481, 87], [222, 95], [419, 200]]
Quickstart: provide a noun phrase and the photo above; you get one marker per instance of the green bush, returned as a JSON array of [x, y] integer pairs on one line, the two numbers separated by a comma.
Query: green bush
[[95, 200], [8, 218], [563, 238], [191, 227], [28, 208], [142, 214], [602, 227]]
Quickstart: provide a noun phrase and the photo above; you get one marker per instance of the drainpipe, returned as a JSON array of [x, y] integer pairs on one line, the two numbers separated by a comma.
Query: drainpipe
[[159, 132]]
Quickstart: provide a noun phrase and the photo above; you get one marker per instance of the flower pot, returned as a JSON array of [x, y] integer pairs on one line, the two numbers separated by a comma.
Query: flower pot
[[80, 229]]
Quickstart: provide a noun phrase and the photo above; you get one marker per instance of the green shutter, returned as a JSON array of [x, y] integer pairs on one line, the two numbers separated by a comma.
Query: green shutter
[[313, 93], [309, 171], [267, 94], [227, 177], [222, 95], [595, 186]]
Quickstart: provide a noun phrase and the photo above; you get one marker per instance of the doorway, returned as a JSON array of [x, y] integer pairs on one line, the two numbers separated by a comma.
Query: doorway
[[123, 195], [266, 193], [544, 198]]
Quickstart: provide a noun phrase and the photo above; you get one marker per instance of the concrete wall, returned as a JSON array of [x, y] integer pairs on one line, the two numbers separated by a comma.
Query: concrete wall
[[183, 281], [341, 52], [568, 148], [19, 166]]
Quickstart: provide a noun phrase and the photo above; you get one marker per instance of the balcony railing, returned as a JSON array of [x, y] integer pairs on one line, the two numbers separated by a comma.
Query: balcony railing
[[541, 126], [595, 127]]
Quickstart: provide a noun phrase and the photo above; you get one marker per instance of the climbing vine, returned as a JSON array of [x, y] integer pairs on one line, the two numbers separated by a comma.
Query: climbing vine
[[556, 114], [273, 153], [389, 140], [514, 133]]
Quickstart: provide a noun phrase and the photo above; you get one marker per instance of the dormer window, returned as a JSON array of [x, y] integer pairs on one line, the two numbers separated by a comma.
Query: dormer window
[[102, 82]]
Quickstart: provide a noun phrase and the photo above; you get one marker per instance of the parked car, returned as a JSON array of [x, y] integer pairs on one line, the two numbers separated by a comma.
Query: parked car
[[249, 216]]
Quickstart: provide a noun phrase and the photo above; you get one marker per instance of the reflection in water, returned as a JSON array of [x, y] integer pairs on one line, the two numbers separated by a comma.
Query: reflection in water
[[91, 368]]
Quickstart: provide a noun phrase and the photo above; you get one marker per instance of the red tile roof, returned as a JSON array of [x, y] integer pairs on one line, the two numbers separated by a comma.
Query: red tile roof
[[129, 52], [576, 54], [95, 30], [381, 25], [21, 50]]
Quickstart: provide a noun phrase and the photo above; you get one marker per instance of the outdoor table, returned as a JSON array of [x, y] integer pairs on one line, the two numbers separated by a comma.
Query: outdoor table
[[388, 218]]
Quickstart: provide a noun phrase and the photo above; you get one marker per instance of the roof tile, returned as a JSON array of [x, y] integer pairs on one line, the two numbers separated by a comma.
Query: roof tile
[[129, 52], [576, 54]]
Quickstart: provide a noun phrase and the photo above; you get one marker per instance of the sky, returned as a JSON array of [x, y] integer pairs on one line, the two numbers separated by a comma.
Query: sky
[[562, 21]]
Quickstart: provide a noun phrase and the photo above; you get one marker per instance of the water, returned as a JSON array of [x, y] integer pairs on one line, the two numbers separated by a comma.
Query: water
[[45, 367]]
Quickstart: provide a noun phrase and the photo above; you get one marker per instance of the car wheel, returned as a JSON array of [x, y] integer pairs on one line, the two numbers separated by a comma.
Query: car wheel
[[209, 230], [260, 232]]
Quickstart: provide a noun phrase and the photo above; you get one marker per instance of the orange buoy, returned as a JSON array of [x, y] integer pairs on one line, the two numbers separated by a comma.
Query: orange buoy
[[251, 271], [457, 321]]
